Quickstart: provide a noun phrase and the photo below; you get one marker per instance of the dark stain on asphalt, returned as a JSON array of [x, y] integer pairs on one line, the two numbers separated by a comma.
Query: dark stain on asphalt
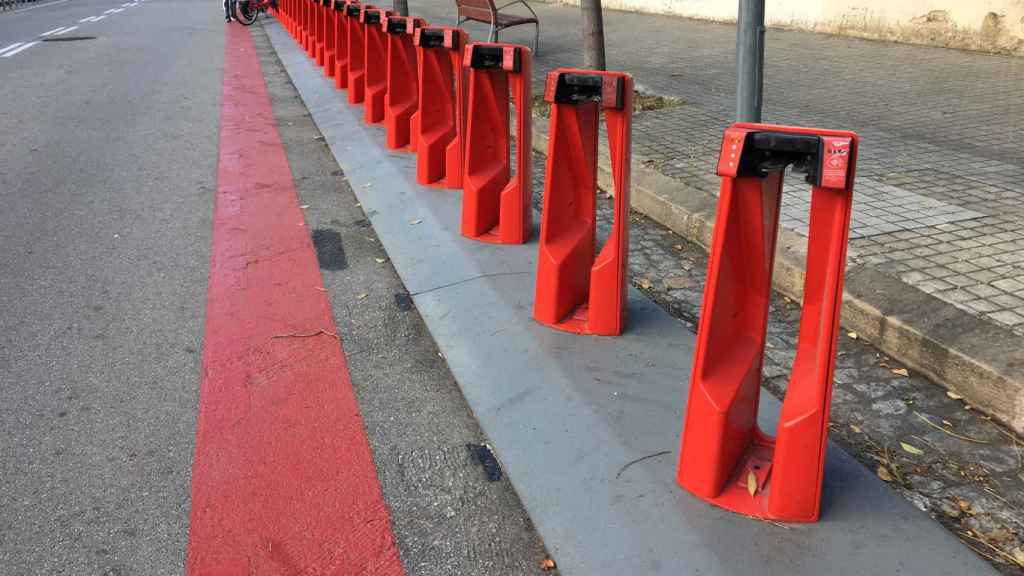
[[330, 251], [404, 301], [482, 455]]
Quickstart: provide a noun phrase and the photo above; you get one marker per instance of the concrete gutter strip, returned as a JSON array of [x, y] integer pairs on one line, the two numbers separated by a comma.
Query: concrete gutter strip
[[587, 428], [979, 360]]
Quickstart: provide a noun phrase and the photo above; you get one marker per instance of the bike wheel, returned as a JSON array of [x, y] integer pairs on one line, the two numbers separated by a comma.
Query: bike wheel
[[246, 11]]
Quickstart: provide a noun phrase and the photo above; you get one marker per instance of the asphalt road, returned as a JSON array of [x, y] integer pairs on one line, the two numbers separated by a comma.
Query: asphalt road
[[107, 170], [108, 166]]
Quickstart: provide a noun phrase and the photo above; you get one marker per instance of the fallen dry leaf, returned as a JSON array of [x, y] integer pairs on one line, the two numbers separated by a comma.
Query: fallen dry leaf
[[304, 206], [645, 283], [964, 505], [910, 449], [884, 474], [954, 395], [852, 335], [381, 260], [361, 296], [901, 372], [547, 564], [677, 282], [855, 428], [415, 222], [678, 246], [751, 483], [1018, 555]]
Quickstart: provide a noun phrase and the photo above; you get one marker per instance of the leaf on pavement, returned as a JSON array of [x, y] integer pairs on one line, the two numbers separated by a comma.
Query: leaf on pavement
[[415, 222], [361, 296], [547, 564], [901, 372], [910, 449], [1018, 555], [954, 395], [677, 282], [381, 260], [884, 473], [855, 428], [852, 335], [645, 283], [751, 483]]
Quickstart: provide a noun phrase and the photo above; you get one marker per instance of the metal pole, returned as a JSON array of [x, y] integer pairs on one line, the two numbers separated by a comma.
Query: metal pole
[[749, 60], [593, 34]]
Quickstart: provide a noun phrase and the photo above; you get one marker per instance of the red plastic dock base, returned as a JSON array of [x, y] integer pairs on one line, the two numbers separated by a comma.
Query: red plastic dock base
[[375, 62], [321, 31], [355, 36], [575, 291], [313, 29], [341, 44], [306, 8], [402, 99], [329, 26], [439, 122], [496, 203], [725, 459]]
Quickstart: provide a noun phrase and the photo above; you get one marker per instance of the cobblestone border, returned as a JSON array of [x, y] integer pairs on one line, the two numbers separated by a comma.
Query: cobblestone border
[[976, 359]]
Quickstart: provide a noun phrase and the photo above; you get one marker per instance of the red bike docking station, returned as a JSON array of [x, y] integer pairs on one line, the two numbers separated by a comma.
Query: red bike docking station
[[496, 202], [318, 32], [325, 34], [402, 99], [440, 121], [340, 45], [330, 20], [450, 101], [375, 62], [356, 34], [725, 458], [576, 291]]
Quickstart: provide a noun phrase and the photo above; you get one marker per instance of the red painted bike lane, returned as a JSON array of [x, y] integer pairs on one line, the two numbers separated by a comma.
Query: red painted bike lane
[[283, 481]]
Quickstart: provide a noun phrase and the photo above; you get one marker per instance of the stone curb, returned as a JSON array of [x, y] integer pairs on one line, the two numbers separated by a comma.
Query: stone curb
[[979, 360]]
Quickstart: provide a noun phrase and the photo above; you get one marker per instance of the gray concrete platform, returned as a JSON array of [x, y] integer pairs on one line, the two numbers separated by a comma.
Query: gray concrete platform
[[566, 414]]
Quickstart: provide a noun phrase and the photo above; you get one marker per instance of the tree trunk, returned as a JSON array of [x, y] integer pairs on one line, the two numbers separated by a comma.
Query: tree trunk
[[401, 6], [593, 35]]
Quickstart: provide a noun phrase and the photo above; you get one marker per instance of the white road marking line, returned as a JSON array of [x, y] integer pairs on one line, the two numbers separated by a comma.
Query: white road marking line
[[89, 19], [51, 31], [15, 51], [98, 18], [109, 11], [117, 10], [11, 47], [66, 30]]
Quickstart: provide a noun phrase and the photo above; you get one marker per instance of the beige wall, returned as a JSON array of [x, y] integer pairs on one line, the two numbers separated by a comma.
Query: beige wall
[[989, 25]]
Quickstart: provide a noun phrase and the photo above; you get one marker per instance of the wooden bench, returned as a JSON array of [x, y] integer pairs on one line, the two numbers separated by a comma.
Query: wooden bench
[[485, 11]]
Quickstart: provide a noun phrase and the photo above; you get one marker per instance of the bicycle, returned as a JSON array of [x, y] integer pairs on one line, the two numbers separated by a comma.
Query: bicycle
[[246, 11]]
